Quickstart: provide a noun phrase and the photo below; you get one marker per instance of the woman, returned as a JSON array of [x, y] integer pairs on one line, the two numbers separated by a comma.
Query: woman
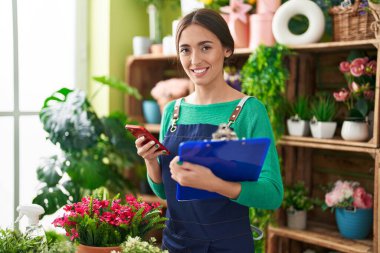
[[203, 43]]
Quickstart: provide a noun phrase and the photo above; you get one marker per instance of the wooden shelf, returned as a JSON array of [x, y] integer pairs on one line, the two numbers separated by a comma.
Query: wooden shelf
[[335, 144], [323, 236], [152, 199]]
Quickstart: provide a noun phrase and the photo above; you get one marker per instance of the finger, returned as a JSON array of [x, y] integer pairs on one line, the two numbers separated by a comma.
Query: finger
[[139, 141], [143, 150]]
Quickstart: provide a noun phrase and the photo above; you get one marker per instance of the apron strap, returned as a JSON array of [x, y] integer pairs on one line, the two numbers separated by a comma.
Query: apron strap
[[237, 111], [175, 116]]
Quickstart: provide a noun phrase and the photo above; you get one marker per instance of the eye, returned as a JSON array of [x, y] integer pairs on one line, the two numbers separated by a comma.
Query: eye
[[206, 48], [184, 51]]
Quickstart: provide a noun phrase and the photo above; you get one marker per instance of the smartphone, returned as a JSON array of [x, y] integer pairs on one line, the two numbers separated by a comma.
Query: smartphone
[[139, 131]]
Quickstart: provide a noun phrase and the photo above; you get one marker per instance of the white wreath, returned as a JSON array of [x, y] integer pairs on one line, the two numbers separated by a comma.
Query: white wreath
[[292, 8]]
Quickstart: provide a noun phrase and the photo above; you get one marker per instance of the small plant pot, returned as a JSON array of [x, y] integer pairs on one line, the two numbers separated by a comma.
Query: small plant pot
[[323, 130], [355, 131], [354, 224], [151, 112], [298, 127], [296, 219]]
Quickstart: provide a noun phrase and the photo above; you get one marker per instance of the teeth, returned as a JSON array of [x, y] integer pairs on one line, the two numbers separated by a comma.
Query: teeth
[[198, 71]]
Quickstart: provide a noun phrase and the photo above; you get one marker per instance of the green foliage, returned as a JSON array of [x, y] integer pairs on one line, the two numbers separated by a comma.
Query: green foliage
[[296, 197], [136, 245], [58, 243], [95, 151], [299, 109], [264, 76], [323, 108], [261, 218], [13, 241]]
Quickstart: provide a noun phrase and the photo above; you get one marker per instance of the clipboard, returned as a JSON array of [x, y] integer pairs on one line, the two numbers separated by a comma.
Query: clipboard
[[231, 160]]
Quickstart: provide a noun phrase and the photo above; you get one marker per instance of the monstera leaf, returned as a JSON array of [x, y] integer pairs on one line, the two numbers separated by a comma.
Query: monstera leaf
[[51, 199], [118, 84], [50, 171], [69, 120]]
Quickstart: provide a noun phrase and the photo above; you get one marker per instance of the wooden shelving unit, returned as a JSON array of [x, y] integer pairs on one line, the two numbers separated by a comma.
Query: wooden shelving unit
[[313, 67]]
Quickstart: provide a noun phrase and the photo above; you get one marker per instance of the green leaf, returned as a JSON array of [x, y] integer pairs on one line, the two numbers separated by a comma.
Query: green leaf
[[51, 199], [50, 171], [118, 84], [70, 121]]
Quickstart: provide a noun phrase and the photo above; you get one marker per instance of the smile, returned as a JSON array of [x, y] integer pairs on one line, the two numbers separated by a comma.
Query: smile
[[199, 71]]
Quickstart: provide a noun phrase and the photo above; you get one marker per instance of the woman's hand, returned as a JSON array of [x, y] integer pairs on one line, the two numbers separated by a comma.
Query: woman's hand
[[200, 177], [149, 150]]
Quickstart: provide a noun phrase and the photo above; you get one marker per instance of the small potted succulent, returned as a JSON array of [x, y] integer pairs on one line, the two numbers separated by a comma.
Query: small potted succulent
[[296, 203], [323, 110], [298, 117]]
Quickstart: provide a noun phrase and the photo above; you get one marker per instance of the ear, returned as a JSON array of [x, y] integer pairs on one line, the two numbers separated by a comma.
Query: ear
[[227, 52]]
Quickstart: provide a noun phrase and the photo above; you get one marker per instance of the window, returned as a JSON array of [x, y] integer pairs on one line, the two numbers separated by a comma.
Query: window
[[43, 50]]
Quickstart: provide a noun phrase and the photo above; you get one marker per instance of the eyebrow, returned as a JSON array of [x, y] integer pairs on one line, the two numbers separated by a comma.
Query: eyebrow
[[199, 43]]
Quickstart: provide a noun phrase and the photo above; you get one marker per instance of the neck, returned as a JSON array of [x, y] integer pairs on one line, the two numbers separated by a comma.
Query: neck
[[211, 95]]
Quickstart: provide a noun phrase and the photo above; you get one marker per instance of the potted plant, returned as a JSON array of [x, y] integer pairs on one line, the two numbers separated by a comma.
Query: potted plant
[[353, 209], [323, 110], [135, 244], [360, 73], [299, 116], [101, 224], [296, 203], [264, 76], [95, 152]]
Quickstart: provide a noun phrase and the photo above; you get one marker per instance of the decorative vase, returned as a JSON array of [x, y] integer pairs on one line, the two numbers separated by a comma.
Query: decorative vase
[[354, 131], [91, 249], [260, 30], [151, 112], [239, 31], [354, 224], [298, 127], [296, 219], [323, 130]]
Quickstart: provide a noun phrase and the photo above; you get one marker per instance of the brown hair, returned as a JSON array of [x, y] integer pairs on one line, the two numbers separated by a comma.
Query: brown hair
[[210, 20]]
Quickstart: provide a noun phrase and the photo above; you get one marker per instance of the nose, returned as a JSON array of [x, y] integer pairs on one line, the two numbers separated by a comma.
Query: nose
[[196, 57]]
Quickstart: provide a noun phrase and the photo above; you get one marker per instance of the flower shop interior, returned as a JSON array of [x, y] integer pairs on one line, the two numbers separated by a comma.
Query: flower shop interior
[[75, 72]]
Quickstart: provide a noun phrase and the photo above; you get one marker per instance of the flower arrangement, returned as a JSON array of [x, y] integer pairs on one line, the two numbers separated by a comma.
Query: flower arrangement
[[100, 223], [135, 244], [360, 74], [347, 194]]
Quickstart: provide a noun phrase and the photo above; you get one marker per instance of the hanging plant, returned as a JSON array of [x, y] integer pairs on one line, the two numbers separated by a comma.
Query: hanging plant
[[264, 76]]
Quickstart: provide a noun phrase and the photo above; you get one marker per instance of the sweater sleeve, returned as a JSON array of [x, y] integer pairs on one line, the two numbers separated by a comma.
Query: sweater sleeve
[[267, 192], [159, 189]]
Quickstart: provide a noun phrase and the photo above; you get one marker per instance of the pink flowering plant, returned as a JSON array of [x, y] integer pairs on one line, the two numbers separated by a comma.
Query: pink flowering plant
[[347, 194], [96, 222], [358, 97]]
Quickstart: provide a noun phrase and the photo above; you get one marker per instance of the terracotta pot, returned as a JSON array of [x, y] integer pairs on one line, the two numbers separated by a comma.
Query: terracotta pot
[[91, 249], [239, 31], [260, 30]]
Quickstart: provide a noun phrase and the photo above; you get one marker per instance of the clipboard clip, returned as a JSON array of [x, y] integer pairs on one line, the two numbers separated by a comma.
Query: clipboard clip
[[224, 132]]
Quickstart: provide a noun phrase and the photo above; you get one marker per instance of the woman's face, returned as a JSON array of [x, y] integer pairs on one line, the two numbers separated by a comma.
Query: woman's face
[[202, 55]]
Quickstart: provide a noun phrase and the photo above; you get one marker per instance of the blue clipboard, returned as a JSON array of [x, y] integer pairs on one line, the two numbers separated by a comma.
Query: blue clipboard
[[231, 160]]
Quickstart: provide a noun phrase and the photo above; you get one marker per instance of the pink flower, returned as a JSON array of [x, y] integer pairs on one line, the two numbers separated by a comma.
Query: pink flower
[[331, 199], [342, 95], [357, 66], [361, 198], [370, 68], [237, 10], [354, 87], [344, 67]]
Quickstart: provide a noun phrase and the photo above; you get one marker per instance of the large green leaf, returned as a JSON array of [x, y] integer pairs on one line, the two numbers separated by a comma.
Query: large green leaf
[[88, 170], [51, 199], [69, 120], [50, 171]]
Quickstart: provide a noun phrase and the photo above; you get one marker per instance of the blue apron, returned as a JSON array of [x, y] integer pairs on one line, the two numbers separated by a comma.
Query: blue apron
[[201, 226]]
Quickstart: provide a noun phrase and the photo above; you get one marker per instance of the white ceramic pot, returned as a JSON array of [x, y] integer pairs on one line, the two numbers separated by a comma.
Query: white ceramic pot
[[354, 131], [296, 219], [298, 127], [322, 130]]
